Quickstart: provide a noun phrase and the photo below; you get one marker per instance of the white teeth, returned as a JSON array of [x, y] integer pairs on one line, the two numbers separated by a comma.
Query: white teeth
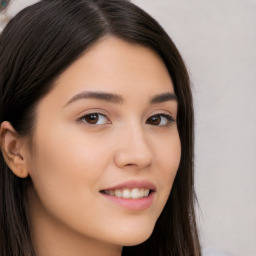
[[118, 193], [146, 192], [134, 193], [126, 193]]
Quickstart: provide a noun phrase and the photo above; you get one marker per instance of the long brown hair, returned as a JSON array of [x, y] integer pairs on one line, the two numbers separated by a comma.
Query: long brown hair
[[36, 47]]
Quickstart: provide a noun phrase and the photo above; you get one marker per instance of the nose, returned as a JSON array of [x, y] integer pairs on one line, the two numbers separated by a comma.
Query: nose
[[133, 149]]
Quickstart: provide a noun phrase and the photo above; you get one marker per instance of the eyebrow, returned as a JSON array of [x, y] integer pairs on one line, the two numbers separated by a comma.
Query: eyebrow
[[163, 97], [104, 96], [118, 99]]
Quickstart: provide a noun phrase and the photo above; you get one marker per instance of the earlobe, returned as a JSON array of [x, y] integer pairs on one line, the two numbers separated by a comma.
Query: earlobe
[[11, 147]]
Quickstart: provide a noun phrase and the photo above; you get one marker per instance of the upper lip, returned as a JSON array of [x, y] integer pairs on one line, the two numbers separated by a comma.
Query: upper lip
[[133, 184]]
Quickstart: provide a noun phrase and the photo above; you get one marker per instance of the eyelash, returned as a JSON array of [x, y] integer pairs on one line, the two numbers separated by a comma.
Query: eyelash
[[169, 119], [96, 117]]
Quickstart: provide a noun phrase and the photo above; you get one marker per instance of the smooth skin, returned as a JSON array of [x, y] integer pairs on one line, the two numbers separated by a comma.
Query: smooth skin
[[83, 143]]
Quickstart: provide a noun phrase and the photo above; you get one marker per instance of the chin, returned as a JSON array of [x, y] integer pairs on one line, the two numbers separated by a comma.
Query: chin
[[134, 242], [135, 237]]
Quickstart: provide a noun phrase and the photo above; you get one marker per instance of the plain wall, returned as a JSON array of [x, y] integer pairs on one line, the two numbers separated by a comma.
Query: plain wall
[[217, 39]]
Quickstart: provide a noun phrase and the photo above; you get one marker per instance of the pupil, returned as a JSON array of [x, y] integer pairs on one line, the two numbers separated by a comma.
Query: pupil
[[92, 118], [155, 120]]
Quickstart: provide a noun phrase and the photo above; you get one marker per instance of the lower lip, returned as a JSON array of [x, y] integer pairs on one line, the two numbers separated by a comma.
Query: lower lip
[[133, 204]]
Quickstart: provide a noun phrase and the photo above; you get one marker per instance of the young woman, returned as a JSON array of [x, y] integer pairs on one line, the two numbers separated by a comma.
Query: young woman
[[96, 134]]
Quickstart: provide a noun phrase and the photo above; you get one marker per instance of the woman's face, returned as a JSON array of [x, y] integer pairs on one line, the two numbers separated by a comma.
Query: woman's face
[[105, 136]]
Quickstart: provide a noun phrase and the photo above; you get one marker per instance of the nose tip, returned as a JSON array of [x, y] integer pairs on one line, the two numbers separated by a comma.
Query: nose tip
[[133, 152], [132, 159]]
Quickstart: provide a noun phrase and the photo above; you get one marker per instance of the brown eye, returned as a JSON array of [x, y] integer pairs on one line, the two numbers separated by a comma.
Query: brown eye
[[92, 118], [95, 118], [154, 120], [160, 120]]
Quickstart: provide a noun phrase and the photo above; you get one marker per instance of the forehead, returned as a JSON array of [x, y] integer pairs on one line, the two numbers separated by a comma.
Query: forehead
[[114, 65]]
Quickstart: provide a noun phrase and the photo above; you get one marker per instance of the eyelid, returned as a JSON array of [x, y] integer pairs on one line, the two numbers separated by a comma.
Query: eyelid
[[92, 110]]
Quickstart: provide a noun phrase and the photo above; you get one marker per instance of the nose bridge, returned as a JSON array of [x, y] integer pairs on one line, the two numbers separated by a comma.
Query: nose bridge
[[133, 146]]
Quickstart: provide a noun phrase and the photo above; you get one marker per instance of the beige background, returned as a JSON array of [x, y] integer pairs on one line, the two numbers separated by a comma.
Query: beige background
[[217, 39]]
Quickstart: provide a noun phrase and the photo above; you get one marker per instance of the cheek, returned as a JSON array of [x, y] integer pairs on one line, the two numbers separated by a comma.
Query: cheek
[[68, 152], [168, 151], [67, 168], [168, 162], [65, 176]]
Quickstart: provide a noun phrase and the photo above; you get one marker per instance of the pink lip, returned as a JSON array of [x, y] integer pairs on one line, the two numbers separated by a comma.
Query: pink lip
[[133, 204], [133, 184]]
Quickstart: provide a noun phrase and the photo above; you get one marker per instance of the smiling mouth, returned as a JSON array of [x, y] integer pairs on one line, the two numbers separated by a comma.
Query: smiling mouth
[[135, 193]]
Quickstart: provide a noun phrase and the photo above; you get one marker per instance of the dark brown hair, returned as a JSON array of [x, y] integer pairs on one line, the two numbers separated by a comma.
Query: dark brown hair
[[36, 47]]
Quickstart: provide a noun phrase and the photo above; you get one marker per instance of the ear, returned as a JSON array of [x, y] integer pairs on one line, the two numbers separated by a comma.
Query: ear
[[13, 149]]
